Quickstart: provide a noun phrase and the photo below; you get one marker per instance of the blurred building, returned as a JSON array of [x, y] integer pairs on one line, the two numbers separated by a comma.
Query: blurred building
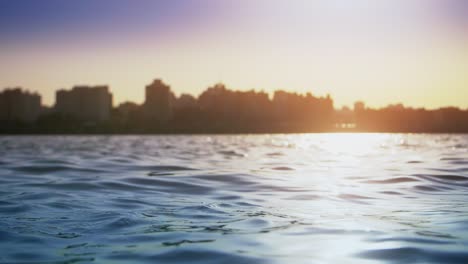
[[158, 102], [19, 105], [128, 112], [85, 103], [126, 108], [359, 106], [215, 98], [185, 101]]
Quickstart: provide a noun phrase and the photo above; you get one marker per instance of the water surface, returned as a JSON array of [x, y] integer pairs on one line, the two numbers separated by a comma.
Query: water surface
[[319, 198]]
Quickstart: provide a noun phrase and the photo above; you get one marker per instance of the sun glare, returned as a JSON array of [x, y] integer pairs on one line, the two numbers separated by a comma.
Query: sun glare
[[343, 143]]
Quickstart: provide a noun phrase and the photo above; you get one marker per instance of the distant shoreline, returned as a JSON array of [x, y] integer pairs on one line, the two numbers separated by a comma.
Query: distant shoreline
[[207, 133]]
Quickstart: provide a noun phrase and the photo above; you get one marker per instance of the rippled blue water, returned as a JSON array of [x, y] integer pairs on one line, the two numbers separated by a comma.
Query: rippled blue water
[[319, 198]]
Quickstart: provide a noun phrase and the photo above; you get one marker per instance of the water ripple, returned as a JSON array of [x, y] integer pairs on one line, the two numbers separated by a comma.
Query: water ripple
[[330, 198]]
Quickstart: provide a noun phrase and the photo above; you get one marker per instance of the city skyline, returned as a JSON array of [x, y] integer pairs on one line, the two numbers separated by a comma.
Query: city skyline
[[384, 52], [270, 95], [89, 109]]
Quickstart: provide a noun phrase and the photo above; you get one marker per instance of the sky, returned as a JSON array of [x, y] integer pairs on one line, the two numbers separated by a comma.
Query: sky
[[413, 52]]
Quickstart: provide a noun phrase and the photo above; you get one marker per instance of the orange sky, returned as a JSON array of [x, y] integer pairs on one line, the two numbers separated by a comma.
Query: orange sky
[[414, 51]]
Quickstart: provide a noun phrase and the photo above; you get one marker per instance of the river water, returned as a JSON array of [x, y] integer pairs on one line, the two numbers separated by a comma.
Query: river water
[[300, 198]]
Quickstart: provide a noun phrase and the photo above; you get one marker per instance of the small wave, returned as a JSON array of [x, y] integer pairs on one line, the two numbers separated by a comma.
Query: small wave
[[275, 154], [232, 153], [283, 168], [414, 240], [123, 222], [430, 188], [391, 192], [354, 197], [445, 179], [304, 197], [15, 209], [170, 185], [415, 255], [43, 169], [186, 241], [393, 180], [190, 255], [70, 186]]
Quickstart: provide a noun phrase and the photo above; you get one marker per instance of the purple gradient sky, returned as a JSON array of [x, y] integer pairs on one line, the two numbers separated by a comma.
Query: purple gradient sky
[[410, 51]]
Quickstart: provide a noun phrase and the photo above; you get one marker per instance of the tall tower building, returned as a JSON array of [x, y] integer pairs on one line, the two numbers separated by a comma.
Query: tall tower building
[[158, 102]]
